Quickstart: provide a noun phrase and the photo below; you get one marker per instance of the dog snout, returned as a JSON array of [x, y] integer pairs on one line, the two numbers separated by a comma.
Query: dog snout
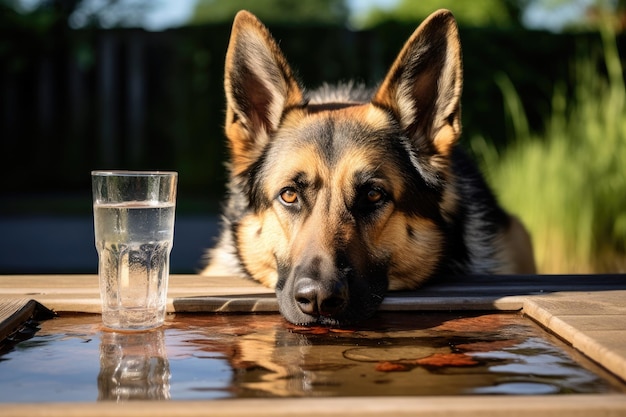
[[318, 298]]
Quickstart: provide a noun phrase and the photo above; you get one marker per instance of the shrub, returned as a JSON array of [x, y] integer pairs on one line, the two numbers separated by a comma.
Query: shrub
[[568, 183]]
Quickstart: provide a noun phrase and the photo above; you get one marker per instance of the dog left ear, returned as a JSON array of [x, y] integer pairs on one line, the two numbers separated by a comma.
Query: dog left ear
[[259, 88], [423, 87]]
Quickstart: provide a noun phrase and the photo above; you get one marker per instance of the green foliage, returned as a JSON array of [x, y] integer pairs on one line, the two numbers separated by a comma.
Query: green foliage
[[333, 12], [568, 184], [479, 13]]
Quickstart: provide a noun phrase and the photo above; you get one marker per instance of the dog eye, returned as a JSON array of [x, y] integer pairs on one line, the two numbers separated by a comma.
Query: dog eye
[[374, 195], [370, 198], [289, 196]]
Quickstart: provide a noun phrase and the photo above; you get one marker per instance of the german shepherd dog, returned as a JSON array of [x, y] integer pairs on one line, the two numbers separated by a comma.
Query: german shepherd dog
[[338, 195]]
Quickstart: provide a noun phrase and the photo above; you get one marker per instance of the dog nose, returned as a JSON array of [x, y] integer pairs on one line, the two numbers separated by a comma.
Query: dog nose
[[316, 298]]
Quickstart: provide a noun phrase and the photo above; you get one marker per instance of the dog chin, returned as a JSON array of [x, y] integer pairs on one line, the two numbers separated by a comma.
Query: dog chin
[[302, 319], [292, 313], [350, 316]]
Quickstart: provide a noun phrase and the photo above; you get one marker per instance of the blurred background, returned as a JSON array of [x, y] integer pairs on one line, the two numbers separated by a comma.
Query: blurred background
[[137, 84]]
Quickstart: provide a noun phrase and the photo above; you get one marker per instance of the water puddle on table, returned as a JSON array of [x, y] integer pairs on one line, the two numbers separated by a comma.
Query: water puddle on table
[[200, 357]]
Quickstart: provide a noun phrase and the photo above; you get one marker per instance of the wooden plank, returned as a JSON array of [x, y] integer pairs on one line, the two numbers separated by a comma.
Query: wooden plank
[[81, 293], [15, 312], [195, 293], [463, 406], [593, 323]]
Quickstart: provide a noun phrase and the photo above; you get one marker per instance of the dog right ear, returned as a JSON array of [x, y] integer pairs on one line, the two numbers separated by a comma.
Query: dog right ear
[[423, 87], [259, 87]]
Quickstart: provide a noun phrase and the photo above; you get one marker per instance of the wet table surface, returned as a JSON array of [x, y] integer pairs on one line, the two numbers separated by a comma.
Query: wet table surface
[[205, 357], [240, 368]]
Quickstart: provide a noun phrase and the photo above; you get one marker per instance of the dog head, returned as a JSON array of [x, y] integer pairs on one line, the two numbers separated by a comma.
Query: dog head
[[341, 199]]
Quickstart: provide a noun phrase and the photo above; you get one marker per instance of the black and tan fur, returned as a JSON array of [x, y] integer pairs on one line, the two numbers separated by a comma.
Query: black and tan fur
[[338, 195]]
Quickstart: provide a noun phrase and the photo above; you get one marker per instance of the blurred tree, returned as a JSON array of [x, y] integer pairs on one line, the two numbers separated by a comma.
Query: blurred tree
[[77, 14], [109, 13], [495, 13], [331, 12], [574, 15], [37, 16], [602, 12]]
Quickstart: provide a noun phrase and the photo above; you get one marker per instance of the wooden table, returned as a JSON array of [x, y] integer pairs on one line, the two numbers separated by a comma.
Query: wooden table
[[589, 312]]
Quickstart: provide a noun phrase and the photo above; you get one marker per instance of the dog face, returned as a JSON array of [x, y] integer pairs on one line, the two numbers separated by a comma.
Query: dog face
[[341, 199]]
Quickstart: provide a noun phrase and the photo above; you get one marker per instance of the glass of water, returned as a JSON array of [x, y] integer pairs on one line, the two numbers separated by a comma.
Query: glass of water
[[134, 231]]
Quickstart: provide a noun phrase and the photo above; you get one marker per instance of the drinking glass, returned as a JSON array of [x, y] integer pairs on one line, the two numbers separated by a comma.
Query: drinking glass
[[134, 230]]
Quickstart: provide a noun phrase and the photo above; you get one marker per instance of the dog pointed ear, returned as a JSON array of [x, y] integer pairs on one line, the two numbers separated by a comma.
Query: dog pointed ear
[[259, 87], [423, 87]]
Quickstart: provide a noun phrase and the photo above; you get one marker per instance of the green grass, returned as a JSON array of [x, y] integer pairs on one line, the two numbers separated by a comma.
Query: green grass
[[568, 183]]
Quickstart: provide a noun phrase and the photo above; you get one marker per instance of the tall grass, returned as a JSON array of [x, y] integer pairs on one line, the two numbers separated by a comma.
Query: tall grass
[[568, 183]]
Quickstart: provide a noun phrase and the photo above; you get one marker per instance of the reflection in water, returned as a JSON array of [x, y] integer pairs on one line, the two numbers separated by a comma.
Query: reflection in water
[[133, 366], [213, 356], [395, 354]]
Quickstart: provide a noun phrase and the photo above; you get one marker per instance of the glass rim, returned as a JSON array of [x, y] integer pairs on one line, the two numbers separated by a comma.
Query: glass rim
[[131, 173]]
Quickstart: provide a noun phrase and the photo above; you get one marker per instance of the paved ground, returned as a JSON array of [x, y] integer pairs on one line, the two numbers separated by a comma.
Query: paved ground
[[61, 244]]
